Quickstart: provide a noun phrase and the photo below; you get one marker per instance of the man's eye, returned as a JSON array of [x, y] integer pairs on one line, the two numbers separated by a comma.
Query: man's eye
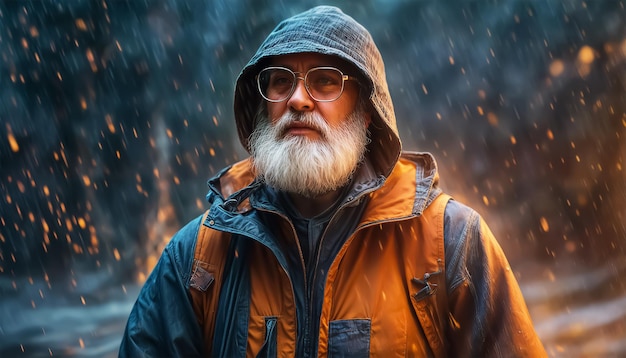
[[281, 81], [323, 81]]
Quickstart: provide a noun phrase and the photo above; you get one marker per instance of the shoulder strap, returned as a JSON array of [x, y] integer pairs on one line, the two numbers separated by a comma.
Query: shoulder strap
[[206, 279], [441, 295], [431, 301]]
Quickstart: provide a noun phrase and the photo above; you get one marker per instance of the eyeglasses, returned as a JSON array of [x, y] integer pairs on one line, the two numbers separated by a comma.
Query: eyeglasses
[[323, 84]]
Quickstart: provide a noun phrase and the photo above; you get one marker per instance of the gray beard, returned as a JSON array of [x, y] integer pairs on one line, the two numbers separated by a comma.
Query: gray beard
[[309, 167]]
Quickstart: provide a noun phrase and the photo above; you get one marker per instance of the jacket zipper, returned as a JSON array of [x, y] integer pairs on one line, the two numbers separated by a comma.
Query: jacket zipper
[[307, 300], [349, 241], [293, 293]]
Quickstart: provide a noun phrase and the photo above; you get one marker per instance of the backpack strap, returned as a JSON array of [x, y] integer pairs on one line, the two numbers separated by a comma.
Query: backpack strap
[[205, 283], [431, 301], [441, 307]]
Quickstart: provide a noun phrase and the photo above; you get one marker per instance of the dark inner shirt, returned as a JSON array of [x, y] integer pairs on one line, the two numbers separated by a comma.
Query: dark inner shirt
[[310, 230]]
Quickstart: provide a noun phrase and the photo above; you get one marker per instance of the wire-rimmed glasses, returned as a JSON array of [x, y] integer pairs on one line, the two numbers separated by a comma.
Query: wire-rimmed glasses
[[323, 84]]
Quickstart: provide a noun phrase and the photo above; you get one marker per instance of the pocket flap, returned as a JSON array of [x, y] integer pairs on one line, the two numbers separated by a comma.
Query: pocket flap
[[201, 279]]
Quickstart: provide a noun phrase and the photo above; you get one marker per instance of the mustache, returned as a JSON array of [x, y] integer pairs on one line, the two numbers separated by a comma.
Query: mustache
[[299, 119]]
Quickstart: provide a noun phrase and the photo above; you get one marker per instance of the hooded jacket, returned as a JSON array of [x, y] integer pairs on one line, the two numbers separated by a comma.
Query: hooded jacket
[[400, 270]]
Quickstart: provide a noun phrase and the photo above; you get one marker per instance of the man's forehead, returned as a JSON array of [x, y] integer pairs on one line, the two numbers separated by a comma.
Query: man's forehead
[[308, 60]]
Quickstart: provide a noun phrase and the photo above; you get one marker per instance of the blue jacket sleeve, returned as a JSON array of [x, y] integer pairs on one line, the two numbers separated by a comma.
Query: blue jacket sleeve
[[488, 315], [162, 322]]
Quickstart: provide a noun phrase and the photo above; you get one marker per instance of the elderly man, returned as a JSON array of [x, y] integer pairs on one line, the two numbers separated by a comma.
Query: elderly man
[[329, 240]]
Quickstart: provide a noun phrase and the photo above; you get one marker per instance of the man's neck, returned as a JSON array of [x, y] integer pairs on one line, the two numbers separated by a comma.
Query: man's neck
[[310, 207]]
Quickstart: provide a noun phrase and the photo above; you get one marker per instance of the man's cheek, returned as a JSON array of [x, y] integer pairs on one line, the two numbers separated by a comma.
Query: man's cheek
[[275, 111]]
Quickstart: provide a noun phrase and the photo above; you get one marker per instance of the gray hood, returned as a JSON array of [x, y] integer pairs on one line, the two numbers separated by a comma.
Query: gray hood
[[327, 30]]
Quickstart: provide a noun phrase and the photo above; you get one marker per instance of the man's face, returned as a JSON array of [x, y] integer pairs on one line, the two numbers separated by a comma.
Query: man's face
[[308, 147], [334, 112]]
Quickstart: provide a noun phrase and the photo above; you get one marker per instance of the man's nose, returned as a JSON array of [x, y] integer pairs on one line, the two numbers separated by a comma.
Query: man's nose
[[300, 99]]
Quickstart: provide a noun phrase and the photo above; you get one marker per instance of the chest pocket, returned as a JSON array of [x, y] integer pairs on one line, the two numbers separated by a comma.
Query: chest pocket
[[349, 338]]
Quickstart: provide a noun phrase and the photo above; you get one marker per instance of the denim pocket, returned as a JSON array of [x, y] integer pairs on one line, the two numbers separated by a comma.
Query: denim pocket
[[269, 344], [349, 338]]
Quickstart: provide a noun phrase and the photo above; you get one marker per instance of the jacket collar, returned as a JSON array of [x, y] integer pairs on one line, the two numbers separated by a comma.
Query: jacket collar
[[235, 186], [411, 187]]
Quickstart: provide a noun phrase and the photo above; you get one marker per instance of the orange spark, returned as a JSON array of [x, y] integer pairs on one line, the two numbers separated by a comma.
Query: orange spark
[[81, 25], [13, 143], [110, 125]]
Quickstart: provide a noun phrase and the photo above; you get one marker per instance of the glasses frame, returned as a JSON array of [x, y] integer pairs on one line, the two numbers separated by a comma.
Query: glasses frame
[[344, 78]]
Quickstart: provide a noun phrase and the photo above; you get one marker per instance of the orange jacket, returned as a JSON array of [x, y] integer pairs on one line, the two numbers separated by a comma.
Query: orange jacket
[[225, 284], [386, 293]]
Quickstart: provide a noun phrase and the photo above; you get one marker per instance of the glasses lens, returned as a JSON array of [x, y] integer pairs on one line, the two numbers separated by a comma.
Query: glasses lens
[[325, 84], [276, 84]]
